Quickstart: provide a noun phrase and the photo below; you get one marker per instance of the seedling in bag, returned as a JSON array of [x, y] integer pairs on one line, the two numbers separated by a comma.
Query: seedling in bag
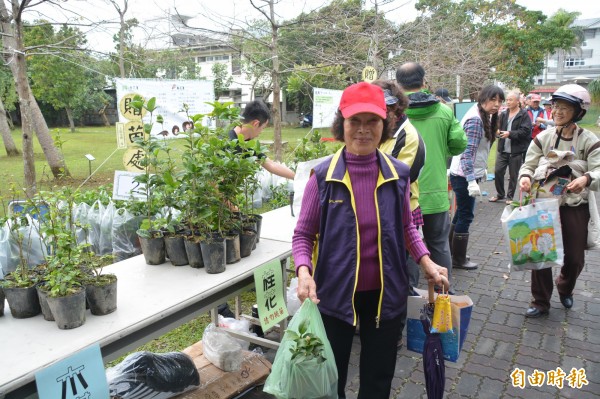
[[308, 346]]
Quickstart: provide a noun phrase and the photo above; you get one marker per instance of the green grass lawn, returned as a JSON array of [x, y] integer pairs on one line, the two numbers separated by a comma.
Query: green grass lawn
[[101, 143]]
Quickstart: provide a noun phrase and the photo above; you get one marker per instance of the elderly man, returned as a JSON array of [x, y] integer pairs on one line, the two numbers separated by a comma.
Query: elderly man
[[443, 137], [534, 110]]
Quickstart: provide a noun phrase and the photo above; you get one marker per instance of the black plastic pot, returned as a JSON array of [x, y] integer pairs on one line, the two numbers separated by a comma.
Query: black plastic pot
[[258, 219], [175, 249], [69, 310], [43, 297], [2, 297], [193, 251], [101, 298], [23, 302], [153, 249], [213, 254], [232, 249], [247, 242]]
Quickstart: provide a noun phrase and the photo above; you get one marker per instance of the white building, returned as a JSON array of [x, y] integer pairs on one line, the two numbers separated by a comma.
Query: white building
[[580, 65]]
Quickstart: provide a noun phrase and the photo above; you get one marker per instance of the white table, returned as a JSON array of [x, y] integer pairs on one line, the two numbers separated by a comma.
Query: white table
[[152, 300], [278, 224]]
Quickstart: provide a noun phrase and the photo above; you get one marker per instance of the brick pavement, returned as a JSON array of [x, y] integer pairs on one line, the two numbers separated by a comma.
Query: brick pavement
[[500, 338]]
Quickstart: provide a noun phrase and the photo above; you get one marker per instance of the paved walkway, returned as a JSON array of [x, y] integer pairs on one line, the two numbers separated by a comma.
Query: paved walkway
[[500, 338]]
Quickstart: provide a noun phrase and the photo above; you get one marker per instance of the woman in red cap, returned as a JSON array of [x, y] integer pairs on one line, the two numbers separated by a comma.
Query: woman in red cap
[[356, 209]]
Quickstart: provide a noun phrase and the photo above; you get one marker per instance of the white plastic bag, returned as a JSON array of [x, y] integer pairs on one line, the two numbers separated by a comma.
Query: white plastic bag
[[240, 326], [302, 174], [220, 349], [293, 302]]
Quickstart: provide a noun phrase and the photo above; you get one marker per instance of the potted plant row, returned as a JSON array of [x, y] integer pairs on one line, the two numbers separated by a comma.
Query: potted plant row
[[203, 194]]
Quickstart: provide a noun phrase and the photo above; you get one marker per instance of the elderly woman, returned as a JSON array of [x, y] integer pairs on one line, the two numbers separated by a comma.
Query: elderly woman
[[569, 105], [480, 124], [356, 208]]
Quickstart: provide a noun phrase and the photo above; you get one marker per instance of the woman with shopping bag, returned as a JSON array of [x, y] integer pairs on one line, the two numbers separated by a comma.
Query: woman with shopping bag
[[356, 210], [577, 172]]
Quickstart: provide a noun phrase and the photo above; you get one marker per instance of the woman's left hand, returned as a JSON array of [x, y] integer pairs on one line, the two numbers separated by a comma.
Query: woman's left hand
[[434, 272], [577, 185]]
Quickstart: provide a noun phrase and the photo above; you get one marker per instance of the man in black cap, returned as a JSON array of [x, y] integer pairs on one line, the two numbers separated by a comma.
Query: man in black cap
[[443, 96]]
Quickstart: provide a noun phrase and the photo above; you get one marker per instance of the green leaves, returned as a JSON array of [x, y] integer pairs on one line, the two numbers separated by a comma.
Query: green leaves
[[307, 346]]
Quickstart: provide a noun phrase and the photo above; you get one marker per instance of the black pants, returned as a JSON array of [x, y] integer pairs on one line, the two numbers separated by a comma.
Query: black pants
[[378, 347], [513, 162], [574, 222]]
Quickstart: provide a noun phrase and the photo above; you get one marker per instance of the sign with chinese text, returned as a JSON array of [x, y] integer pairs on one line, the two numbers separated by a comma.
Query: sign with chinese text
[[170, 96], [369, 74], [325, 104], [120, 127], [132, 159], [125, 188], [269, 294], [81, 375]]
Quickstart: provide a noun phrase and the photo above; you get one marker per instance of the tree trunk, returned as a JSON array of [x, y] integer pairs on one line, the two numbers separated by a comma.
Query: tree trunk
[[28, 158], [32, 118], [102, 113], [70, 118], [53, 157], [276, 89], [9, 143]]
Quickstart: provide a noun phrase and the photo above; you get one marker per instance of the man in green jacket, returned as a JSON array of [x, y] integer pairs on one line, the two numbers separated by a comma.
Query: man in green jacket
[[444, 138]]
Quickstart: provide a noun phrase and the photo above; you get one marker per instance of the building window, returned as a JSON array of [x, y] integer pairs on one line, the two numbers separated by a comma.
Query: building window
[[589, 33], [572, 62], [212, 58]]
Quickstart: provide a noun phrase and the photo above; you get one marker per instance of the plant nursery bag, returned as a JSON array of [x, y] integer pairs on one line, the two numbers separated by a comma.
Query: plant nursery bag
[[453, 340], [533, 235]]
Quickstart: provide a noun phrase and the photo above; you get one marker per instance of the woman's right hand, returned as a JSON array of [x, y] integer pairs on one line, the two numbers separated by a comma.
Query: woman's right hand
[[525, 184], [307, 288]]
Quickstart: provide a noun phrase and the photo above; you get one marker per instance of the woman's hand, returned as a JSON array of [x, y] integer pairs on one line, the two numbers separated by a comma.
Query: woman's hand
[[307, 288], [577, 185], [434, 272], [525, 184]]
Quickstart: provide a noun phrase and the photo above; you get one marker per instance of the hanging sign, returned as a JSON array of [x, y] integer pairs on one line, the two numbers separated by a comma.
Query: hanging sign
[[369, 74]]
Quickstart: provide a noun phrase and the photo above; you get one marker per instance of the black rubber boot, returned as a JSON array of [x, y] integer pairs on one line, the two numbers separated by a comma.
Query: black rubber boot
[[451, 238], [459, 252]]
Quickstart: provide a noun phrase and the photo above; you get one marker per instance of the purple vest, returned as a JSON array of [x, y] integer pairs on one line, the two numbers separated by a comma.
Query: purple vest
[[335, 270]]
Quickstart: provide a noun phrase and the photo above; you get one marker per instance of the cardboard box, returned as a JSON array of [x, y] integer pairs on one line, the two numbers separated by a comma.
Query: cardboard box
[[218, 384]]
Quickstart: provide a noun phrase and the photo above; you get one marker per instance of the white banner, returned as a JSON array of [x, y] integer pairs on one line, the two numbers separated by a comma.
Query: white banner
[[325, 104], [170, 97]]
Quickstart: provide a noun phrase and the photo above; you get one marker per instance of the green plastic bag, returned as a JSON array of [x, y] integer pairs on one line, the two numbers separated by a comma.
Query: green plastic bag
[[304, 366]]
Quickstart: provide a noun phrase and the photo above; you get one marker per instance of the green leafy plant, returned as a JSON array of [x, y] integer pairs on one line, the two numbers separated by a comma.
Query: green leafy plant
[[307, 346], [529, 197]]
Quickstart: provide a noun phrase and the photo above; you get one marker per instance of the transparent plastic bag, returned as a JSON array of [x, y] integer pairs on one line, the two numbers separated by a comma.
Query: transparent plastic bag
[[152, 375], [80, 214], [239, 326], [105, 240], [125, 243], [297, 375], [221, 349], [93, 220], [33, 246]]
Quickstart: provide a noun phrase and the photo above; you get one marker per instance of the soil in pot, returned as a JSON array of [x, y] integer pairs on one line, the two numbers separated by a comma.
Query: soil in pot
[[101, 294], [193, 251], [247, 241], [213, 254], [232, 249], [153, 248], [175, 249], [69, 310], [43, 297], [23, 302]]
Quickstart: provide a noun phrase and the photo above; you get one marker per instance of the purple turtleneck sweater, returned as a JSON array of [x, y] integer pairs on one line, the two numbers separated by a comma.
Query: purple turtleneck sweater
[[363, 171]]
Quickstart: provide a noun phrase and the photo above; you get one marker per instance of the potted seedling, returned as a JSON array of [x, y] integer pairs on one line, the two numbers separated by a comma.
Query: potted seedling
[[100, 288]]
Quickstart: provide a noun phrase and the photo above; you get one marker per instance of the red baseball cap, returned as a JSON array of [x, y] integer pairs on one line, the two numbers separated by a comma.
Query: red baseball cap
[[363, 97], [536, 97]]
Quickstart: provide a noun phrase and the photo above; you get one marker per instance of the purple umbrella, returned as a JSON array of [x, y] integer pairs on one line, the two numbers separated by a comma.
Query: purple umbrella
[[433, 355]]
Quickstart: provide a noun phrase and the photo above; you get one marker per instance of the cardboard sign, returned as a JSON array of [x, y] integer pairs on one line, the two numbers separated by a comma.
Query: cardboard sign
[[125, 188], [81, 375], [269, 294]]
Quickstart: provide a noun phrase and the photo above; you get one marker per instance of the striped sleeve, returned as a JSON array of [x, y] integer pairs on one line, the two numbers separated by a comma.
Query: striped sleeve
[[307, 226], [412, 238]]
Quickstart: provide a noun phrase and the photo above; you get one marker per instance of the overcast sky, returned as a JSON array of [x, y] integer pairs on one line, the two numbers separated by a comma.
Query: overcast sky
[[149, 12]]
